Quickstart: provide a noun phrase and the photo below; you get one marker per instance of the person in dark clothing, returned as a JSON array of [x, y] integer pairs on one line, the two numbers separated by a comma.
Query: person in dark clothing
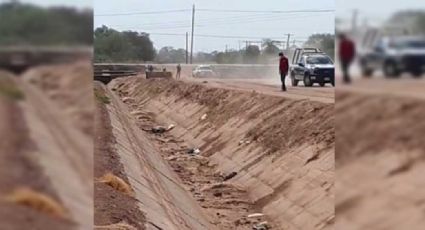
[[179, 69], [347, 52], [283, 69]]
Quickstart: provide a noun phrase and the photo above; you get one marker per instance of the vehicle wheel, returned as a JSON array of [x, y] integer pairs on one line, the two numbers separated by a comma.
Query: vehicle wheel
[[390, 69], [367, 72], [294, 82], [307, 80], [333, 81], [417, 73], [322, 84]]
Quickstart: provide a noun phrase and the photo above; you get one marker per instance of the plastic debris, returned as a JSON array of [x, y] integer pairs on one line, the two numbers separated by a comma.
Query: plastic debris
[[194, 151], [170, 127], [261, 226], [244, 142], [254, 215]]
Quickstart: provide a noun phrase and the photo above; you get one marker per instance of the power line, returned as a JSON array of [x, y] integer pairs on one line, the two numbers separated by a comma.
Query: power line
[[204, 20], [219, 10], [214, 36], [249, 19], [270, 11], [140, 13]]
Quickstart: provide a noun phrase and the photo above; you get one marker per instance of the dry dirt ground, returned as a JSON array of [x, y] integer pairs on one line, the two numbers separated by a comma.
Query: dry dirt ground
[[380, 154], [280, 148], [40, 146], [272, 87], [67, 85]]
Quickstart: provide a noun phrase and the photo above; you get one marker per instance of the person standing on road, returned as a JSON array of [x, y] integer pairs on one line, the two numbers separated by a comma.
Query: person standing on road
[[179, 69], [347, 51], [283, 69]]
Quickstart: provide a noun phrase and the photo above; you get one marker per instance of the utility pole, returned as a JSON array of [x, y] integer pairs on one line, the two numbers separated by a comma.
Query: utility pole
[[287, 42], [354, 21], [187, 47], [226, 48], [193, 29]]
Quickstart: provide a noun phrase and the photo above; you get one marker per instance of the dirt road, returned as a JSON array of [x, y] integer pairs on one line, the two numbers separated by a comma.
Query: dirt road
[[405, 87], [271, 87]]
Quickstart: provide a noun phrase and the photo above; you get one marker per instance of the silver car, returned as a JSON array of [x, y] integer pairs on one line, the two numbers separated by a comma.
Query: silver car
[[203, 71]]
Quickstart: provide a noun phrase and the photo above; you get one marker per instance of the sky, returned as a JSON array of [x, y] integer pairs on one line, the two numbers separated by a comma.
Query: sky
[[375, 11], [168, 29]]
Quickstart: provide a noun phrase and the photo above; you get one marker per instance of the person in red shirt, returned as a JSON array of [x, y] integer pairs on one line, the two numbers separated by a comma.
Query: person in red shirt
[[283, 69], [347, 52]]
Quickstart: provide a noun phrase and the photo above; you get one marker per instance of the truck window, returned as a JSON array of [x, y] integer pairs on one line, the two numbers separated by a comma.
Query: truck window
[[319, 60]]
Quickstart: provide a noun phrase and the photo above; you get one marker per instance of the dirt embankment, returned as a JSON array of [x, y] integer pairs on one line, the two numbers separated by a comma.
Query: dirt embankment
[[380, 158], [19, 168], [69, 86], [227, 205], [280, 149], [110, 205], [47, 145]]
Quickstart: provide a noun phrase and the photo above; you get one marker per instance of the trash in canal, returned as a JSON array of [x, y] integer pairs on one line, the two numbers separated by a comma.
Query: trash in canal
[[261, 226], [254, 215], [194, 151], [230, 176], [162, 129]]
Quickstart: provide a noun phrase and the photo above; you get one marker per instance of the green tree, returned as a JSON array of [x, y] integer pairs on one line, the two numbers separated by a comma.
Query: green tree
[[325, 42], [170, 55], [115, 46], [229, 57], [408, 21], [26, 24], [269, 48], [251, 54]]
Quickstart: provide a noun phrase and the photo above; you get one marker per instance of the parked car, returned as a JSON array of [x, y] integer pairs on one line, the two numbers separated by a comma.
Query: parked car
[[394, 56], [203, 71], [310, 65]]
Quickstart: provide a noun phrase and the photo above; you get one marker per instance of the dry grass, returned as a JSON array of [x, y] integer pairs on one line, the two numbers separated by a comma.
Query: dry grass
[[36, 200], [101, 97], [10, 90], [117, 226], [116, 183]]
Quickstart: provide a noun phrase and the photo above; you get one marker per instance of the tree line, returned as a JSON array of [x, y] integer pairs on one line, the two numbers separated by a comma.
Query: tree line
[[27, 24], [113, 46], [129, 46]]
